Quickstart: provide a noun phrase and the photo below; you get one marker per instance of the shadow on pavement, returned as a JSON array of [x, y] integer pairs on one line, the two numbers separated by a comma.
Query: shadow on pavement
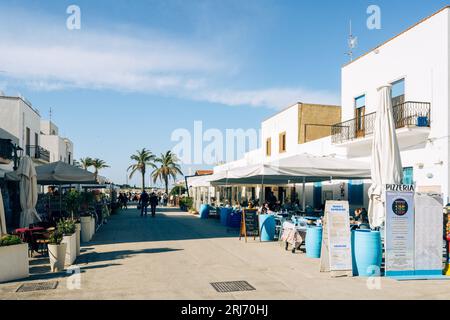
[[121, 254]]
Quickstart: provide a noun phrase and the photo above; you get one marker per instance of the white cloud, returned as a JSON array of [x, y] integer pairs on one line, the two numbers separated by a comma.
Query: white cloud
[[43, 55], [272, 98]]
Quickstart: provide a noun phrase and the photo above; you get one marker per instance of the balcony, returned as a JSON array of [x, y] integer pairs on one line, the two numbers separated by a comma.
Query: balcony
[[38, 153], [406, 115], [6, 151]]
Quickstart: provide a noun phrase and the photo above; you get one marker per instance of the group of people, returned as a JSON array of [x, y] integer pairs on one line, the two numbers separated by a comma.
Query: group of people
[[123, 200], [145, 200]]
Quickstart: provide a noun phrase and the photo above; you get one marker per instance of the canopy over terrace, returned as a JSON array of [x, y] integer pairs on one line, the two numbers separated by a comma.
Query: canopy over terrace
[[303, 168], [296, 169], [63, 173]]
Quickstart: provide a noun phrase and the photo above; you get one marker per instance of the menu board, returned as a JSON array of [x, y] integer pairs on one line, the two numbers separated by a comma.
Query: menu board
[[249, 224], [339, 236], [400, 228], [428, 234]]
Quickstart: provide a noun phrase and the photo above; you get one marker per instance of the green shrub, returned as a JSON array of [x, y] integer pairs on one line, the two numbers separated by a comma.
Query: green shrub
[[186, 203], [55, 237], [73, 201], [9, 240], [66, 227]]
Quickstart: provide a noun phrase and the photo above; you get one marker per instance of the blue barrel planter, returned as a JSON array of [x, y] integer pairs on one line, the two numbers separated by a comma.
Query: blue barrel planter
[[267, 227], [234, 219], [313, 242], [224, 213], [367, 253], [204, 211]]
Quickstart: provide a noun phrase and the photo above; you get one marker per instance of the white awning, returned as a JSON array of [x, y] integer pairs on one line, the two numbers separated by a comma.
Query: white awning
[[296, 169], [203, 181]]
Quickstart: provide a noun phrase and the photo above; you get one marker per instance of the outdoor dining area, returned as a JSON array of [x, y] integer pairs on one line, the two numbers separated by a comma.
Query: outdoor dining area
[[56, 215], [400, 235]]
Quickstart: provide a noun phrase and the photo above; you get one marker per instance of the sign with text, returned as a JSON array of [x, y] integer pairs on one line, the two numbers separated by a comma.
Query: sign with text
[[428, 234], [249, 224], [339, 236], [400, 224]]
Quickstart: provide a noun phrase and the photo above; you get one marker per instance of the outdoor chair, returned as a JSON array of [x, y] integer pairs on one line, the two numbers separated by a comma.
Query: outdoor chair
[[42, 240]]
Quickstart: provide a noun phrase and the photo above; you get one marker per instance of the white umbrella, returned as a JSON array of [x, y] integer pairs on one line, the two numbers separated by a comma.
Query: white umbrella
[[28, 192], [2, 217], [386, 165]]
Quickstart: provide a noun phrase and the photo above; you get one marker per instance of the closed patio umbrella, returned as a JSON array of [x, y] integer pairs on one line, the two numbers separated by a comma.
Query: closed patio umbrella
[[2, 217], [386, 164], [28, 192]]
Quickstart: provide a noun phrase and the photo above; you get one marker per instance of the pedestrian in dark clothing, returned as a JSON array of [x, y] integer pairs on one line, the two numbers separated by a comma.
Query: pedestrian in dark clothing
[[153, 203], [143, 201]]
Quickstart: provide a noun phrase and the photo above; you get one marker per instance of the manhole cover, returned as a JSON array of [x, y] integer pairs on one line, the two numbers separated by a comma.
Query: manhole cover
[[233, 286], [37, 286]]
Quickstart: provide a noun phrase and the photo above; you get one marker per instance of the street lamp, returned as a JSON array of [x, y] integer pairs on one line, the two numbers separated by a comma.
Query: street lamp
[[18, 151]]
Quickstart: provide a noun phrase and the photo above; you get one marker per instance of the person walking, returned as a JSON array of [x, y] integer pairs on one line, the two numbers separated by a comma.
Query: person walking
[[153, 203], [125, 201], [143, 201]]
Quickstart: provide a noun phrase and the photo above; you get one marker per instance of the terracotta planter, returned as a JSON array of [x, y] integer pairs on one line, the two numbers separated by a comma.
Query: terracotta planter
[[14, 262], [57, 254]]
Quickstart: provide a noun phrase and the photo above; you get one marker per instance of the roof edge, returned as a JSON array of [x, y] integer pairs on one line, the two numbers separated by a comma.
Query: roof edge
[[396, 36]]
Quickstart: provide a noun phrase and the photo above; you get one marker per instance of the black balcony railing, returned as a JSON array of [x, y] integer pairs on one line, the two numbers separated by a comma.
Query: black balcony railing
[[407, 114], [6, 151], [37, 152]]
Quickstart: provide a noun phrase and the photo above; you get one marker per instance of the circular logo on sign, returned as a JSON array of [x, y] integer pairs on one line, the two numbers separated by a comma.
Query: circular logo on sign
[[400, 207]]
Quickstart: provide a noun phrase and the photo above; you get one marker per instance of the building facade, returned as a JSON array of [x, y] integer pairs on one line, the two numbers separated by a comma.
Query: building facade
[[60, 148], [416, 63], [22, 127]]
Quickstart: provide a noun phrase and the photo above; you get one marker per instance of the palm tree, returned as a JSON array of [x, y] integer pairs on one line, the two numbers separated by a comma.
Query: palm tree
[[86, 163], [98, 165], [143, 159], [168, 168]]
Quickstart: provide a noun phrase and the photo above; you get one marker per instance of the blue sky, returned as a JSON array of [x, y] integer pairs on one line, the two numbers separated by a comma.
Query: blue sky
[[138, 70]]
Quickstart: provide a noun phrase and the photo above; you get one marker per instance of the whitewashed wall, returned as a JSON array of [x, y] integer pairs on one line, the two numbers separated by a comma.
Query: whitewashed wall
[[421, 57]]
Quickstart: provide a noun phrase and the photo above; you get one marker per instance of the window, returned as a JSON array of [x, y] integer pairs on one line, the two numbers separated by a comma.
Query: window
[[282, 142], [269, 147], [27, 141], [398, 92], [360, 112], [408, 175]]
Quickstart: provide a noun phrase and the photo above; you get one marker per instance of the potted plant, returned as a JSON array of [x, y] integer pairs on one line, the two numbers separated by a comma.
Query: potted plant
[[86, 226], [73, 202], [86, 218], [68, 229], [13, 258], [57, 251]]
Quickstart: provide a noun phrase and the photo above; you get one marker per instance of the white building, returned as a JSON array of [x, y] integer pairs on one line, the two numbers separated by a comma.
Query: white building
[[21, 123], [60, 148], [417, 65], [20, 119]]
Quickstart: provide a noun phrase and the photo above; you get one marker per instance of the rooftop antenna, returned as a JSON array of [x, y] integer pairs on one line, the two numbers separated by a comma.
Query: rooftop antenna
[[352, 43], [50, 114]]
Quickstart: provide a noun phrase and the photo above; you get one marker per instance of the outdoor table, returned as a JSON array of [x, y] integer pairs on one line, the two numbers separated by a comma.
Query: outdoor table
[[22, 231], [26, 234]]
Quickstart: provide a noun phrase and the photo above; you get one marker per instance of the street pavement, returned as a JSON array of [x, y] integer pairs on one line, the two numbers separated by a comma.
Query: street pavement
[[178, 256]]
